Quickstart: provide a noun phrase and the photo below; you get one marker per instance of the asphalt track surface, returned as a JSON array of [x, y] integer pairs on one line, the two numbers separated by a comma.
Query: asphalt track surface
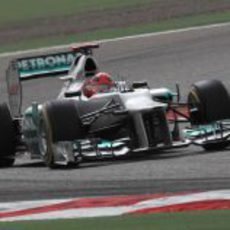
[[163, 60]]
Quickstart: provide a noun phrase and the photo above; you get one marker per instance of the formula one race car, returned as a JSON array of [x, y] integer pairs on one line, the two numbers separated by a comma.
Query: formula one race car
[[96, 117]]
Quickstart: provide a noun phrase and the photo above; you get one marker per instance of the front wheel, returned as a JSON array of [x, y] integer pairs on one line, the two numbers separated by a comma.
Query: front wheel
[[59, 125], [45, 141]]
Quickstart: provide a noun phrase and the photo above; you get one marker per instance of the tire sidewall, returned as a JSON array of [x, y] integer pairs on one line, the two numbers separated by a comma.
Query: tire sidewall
[[45, 128], [8, 138]]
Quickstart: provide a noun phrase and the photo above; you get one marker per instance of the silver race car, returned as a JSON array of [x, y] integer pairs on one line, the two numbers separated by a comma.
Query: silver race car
[[97, 116]]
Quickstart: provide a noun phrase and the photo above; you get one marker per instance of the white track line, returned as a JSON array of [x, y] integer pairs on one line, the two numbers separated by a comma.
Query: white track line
[[144, 35], [22, 205]]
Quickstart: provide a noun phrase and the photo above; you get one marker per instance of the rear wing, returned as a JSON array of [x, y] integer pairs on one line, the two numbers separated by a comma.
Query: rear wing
[[41, 66], [50, 64]]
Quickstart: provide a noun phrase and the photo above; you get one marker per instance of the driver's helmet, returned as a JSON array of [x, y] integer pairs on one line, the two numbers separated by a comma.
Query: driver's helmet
[[100, 83]]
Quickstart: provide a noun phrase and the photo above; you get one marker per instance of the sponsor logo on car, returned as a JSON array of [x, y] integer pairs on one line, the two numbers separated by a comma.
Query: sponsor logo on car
[[59, 62]]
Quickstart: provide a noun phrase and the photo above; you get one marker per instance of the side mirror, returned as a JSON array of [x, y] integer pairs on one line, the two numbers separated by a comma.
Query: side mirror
[[73, 93], [140, 84]]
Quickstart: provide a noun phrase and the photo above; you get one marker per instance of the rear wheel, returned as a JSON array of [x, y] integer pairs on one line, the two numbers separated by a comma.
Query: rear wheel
[[59, 122], [7, 137]]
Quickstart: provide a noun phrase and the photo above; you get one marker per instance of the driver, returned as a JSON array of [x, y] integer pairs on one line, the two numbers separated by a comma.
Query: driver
[[100, 83]]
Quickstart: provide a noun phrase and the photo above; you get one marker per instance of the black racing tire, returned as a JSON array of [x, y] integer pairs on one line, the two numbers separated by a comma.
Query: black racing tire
[[45, 141], [59, 122], [7, 137], [208, 101], [64, 120]]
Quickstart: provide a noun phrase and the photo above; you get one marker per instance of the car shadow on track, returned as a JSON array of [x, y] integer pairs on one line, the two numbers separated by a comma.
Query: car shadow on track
[[144, 156]]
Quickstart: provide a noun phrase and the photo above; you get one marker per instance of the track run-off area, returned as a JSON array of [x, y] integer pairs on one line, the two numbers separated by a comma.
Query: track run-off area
[[163, 60]]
